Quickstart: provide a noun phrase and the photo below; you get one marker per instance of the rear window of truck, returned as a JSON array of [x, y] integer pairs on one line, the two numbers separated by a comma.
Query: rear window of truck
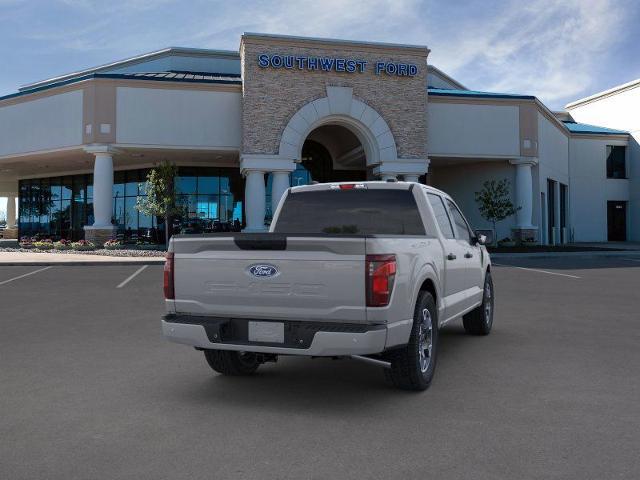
[[351, 212]]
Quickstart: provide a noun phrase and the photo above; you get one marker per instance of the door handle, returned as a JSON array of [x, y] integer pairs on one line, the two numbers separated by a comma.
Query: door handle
[[451, 256], [468, 255]]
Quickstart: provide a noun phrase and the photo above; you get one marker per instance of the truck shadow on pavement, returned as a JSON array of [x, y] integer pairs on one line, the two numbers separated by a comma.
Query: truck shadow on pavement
[[319, 386]]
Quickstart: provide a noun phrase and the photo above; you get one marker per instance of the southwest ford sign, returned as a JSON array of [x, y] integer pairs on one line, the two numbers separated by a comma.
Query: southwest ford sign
[[335, 64]]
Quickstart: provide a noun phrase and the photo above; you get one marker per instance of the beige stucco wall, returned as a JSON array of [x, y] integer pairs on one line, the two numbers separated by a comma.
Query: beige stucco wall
[[178, 117], [50, 122], [272, 96]]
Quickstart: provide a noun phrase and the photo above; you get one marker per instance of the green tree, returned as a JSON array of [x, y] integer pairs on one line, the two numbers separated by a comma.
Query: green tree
[[494, 203], [160, 199]]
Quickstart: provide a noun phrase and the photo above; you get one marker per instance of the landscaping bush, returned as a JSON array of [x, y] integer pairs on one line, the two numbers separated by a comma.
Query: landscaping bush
[[113, 244], [43, 244], [83, 245], [26, 242], [62, 245]]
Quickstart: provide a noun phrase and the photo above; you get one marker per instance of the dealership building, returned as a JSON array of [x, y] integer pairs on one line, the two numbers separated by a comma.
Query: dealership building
[[244, 126]]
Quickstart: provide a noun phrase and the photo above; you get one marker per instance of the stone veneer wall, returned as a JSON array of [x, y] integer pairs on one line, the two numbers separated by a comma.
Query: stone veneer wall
[[272, 96]]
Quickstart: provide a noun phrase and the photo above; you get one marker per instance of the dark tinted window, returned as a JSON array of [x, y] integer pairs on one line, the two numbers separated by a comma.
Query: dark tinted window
[[442, 217], [351, 212], [616, 162]]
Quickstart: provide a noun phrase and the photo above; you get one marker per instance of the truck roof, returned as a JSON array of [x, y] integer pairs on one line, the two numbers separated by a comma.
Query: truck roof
[[376, 184]]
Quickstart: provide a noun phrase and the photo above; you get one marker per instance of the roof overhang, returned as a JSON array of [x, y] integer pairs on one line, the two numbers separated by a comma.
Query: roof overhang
[[145, 57]]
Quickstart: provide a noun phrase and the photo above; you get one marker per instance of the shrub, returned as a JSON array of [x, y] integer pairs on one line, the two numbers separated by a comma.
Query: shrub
[[83, 245], [46, 244], [62, 245], [26, 242], [113, 244]]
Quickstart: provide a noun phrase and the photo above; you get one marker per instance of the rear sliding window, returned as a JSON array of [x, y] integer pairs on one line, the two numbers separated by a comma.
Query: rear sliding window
[[351, 212]]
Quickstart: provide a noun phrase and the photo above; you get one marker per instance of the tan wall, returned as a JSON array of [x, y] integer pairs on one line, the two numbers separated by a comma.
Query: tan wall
[[272, 96]]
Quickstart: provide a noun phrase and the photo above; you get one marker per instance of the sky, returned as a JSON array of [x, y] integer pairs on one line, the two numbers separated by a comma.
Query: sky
[[557, 50]]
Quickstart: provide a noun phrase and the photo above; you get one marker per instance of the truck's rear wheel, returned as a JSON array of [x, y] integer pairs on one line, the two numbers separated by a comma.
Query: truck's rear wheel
[[413, 366], [480, 320], [232, 363]]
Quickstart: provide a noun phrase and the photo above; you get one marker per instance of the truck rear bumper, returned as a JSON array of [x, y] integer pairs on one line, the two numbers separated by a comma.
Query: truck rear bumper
[[302, 338]]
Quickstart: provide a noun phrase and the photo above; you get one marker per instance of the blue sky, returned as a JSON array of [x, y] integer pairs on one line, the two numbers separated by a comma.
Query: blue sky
[[556, 50]]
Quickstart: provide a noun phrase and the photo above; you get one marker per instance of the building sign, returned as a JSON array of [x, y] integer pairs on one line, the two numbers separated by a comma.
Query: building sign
[[334, 64]]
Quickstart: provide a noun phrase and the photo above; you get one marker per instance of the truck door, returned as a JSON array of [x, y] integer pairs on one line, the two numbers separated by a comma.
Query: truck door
[[474, 280], [455, 266]]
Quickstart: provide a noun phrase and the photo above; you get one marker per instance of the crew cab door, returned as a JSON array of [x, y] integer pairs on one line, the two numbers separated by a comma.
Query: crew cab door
[[455, 281], [472, 256]]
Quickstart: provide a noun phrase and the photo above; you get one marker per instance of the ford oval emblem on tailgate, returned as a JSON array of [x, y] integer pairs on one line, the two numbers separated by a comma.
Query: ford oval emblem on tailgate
[[263, 270]]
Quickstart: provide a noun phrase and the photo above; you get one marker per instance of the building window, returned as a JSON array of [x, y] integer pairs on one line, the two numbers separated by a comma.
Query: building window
[[59, 207], [616, 161]]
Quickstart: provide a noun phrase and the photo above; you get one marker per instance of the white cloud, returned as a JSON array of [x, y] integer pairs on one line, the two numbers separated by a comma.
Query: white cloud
[[546, 48]]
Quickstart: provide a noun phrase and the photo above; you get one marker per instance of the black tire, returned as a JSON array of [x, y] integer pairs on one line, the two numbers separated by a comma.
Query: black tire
[[232, 363], [480, 320], [408, 370]]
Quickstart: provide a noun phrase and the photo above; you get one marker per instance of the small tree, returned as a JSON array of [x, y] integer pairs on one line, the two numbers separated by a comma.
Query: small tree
[[494, 202], [160, 199]]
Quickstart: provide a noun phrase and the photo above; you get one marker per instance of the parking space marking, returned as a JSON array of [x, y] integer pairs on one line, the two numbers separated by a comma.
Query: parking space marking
[[132, 276], [536, 270], [25, 275]]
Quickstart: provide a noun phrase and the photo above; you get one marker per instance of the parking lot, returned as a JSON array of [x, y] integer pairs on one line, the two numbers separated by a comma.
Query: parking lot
[[90, 390]]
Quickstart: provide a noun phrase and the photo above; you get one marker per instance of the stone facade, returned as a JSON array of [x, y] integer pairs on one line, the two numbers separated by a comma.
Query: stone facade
[[272, 96]]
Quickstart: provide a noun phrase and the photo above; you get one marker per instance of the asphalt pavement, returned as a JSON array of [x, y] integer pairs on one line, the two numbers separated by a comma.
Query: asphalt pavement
[[89, 389]]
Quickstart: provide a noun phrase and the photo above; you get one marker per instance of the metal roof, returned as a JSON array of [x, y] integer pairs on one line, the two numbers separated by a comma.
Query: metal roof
[[585, 128], [444, 92], [135, 60], [187, 77]]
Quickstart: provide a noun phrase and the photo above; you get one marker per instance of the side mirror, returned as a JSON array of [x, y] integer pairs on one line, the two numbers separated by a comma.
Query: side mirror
[[483, 237]]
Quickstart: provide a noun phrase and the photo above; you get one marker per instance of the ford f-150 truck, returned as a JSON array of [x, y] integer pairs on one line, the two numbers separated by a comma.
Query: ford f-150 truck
[[366, 270]]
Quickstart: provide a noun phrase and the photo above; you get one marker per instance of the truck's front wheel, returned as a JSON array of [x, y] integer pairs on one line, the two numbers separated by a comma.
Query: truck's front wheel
[[413, 366], [480, 320], [232, 363]]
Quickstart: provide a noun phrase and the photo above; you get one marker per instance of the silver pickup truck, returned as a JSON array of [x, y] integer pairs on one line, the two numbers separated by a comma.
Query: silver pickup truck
[[364, 270]]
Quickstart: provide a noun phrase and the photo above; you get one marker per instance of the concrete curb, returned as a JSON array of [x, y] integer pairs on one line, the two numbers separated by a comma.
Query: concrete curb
[[617, 253], [88, 263]]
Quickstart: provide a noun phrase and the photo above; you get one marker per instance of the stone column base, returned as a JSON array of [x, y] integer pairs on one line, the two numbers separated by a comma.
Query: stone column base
[[9, 233], [525, 234], [99, 235]]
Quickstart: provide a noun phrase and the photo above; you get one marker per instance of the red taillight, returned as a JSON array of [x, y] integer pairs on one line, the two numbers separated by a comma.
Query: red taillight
[[169, 293], [381, 274]]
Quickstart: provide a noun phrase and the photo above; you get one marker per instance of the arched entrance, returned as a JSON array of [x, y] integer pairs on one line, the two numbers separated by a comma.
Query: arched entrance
[[332, 153], [330, 139]]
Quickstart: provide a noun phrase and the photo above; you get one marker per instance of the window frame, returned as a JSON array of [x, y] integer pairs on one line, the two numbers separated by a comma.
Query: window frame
[[449, 201], [446, 211]]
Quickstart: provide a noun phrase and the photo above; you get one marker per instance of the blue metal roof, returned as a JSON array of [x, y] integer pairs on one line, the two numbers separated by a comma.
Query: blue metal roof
[[188, 77], [575, 127], [444, 92]]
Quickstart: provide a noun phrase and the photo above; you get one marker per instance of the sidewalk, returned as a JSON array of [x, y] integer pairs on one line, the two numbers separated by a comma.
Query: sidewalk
[[635, 254], [35, 259]]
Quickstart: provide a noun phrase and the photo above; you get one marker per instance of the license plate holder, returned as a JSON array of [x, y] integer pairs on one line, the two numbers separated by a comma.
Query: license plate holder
[[266, 332]]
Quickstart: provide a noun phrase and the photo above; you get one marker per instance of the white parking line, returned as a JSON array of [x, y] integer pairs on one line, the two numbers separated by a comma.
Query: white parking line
[[25, 275], [536, 270], [131, 277]]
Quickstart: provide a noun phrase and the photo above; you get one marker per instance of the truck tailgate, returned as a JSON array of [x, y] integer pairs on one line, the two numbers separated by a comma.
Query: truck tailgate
[[271, 276]]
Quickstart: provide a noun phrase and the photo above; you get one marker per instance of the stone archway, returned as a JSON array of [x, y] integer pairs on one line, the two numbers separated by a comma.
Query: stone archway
[[339, 107]]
